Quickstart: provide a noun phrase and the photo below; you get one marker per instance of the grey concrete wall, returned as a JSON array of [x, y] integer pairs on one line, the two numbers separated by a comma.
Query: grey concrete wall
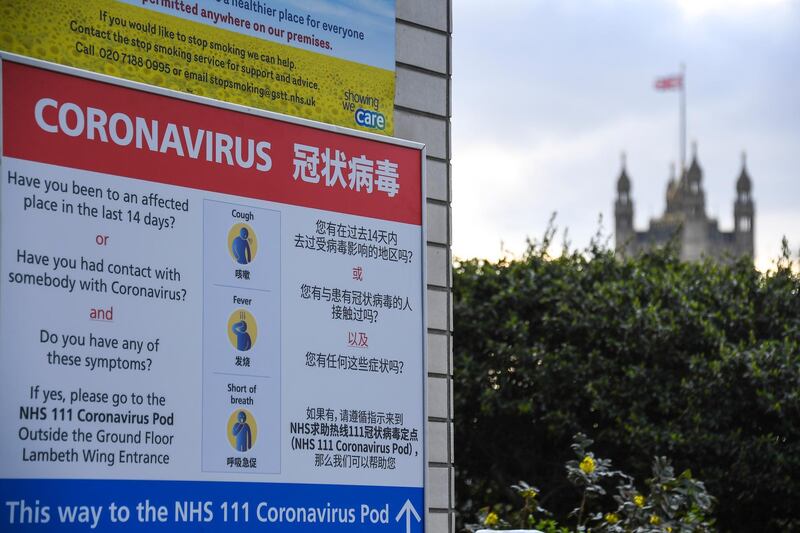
[[422, 113]]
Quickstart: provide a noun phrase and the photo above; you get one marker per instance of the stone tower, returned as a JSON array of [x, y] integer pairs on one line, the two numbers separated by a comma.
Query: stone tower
[[743, 212], [623, 208], [685, 218]]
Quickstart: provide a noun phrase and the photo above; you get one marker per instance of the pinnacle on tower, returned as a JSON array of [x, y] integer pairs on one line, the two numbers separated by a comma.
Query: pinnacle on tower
[[695, 174], [623, 182], [743, 184]]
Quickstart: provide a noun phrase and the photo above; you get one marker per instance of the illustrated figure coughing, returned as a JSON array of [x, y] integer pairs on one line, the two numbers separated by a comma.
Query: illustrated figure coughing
[[241, 248]]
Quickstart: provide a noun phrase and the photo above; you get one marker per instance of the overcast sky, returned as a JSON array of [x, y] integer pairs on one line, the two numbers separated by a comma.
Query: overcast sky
[[547, 94]]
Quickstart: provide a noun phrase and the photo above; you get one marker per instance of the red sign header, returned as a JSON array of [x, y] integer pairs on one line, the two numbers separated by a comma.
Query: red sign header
[[70, 121]]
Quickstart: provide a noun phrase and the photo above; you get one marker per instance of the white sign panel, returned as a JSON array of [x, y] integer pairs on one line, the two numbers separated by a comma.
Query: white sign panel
[[208, 315]]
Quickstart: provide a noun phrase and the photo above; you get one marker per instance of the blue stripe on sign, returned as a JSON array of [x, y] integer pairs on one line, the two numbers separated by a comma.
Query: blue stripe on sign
[[45, 505]]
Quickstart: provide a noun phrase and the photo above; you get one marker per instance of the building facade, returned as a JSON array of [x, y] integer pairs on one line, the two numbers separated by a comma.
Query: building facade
[[685, 220], [422, 111]]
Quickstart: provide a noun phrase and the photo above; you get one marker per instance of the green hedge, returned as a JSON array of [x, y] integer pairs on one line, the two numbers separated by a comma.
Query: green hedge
[[649, 356]]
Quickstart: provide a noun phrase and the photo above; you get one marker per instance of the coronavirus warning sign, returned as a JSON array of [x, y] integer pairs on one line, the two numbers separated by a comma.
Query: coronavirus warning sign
[[209, 314]]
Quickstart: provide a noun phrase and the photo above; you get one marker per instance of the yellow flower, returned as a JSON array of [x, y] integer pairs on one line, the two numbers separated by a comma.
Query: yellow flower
[[669, 529], [587, 465], [529, 493], [639, 500], [612, 518], [491, 519], [654, 520]]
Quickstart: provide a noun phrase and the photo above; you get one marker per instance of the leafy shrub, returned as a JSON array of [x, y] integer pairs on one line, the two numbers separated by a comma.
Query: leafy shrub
[[650, 355], [673, 504]]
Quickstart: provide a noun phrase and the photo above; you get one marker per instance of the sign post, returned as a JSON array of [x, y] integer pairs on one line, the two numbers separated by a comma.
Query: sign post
[[209, 314]]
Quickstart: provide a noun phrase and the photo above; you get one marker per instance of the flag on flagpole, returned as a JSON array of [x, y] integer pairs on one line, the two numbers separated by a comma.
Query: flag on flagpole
[[669, 83], [672, 83]]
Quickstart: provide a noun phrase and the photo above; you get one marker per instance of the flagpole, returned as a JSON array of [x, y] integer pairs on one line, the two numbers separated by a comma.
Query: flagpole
[[682, 132]]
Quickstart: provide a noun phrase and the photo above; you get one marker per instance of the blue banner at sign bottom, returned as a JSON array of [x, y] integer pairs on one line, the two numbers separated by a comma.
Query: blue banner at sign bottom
[[46, 505]]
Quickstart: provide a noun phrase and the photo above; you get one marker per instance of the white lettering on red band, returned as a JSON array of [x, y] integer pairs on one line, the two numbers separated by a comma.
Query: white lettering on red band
[[94, 124]]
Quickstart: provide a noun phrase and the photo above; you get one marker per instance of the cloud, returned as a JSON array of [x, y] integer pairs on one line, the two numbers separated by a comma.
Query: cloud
[[546, 95], [694, 10], [514, 189]]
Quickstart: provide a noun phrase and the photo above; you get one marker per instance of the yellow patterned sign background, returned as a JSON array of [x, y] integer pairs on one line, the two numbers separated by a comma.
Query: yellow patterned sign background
[[142, 45]]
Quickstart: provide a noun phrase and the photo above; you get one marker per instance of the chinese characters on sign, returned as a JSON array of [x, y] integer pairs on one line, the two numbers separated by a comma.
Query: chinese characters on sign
[[362, 174]]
